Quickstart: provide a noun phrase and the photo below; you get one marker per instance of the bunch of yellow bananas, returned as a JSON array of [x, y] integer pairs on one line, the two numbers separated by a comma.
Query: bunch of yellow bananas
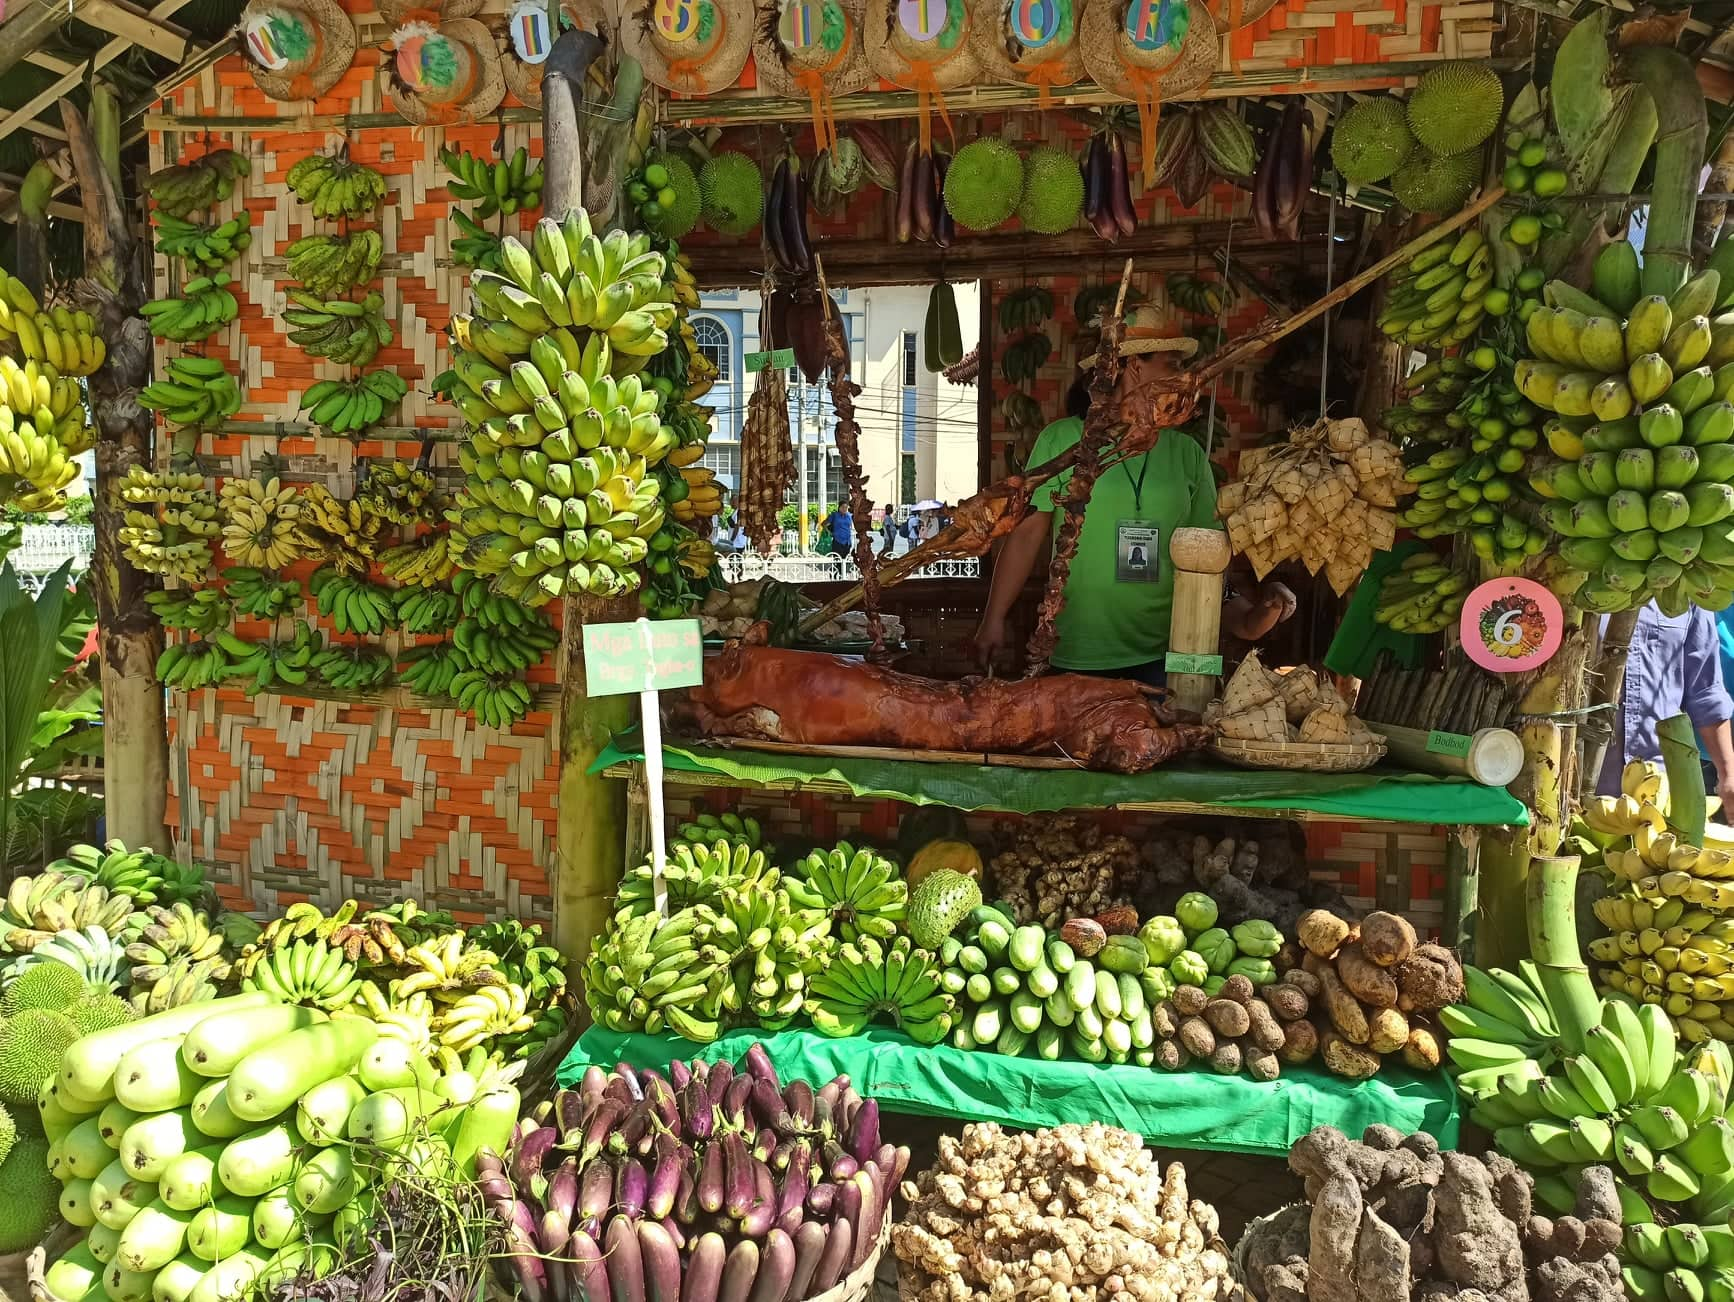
[[62, 338], [43, 426], [173, 540], [703, 498], [343, 533], [259, 522]]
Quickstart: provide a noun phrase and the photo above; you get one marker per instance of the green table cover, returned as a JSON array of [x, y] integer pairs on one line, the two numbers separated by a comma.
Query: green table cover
[[1186, 1109], [1379, 794]]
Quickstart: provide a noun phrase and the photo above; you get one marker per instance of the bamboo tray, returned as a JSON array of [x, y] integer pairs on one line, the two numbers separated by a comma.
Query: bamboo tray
[[1307, 756], [883, 753]]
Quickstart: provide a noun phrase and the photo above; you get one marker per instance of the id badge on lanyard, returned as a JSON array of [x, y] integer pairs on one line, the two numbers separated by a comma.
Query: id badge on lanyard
[[1137, 551]]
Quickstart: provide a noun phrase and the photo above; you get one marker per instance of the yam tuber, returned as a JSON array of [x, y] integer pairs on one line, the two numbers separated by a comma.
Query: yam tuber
[[1345, 1059], [1429, 979], [1322, 932], [1262, 1028], [1387, 938], [1387, 1031], [1287, 1000], [1365, 980], [1341, 1007], [1300, 1042], [1227, 1018], [1422, 1049]]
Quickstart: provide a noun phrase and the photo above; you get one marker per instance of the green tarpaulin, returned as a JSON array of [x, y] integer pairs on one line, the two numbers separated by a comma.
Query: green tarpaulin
[[1186, 1109], [1382, 794]]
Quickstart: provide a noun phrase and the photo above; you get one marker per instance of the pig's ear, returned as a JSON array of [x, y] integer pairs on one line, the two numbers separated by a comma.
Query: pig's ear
[[759, 634]]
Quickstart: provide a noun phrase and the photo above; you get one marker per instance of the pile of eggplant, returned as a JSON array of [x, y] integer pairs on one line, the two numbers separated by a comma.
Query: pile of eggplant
[[1285, 175], [785, 225], [1108, 187], [921, 211], [708, 1184]]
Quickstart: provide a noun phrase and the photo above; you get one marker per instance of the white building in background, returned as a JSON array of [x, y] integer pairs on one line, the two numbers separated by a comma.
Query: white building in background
[[918, 430]]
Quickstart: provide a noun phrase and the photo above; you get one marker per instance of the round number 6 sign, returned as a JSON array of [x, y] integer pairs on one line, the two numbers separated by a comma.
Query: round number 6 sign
[[1509, 626]]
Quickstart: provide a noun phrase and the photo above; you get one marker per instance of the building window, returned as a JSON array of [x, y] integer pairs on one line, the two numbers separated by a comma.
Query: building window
[[725, 459], [908, 477], [909, 359], [714, 345]]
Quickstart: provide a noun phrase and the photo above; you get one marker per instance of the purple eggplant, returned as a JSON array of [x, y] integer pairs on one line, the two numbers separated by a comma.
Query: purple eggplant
[[734, 1106], [738, 1272], [713, 1177], [834, 1261], [1098, 206], [558, 1207], [799, 1097], [822, 1200], [901, 1166], [737, 1174], [722, 1075], [686, 1193], [634, 1135], [663, 1105], [661, 1261], [809, 1247], [678, 1074], [600, 1128], [867, 1180], [764, 1187], [776, 195], [886, 1157], [586, 1269], [571, 1110], [491, 1176], [944, 228], [864, 1131], [596, 1188], [1120, 188], [906, 196], [631, 1185], [672, 1228], [527, 1264], [765, 1145], [624, 1261], [616, 1088], [792, 1197], [923, 197], [704, 1269], [697, 1115], [832, 1090], [776, 1268], [758, 1063], [824, 1122], [768, 1107], [665, 1181], [593, 1080], [527, 1159], [849, 1211], [839, 1164], [629, 1074]]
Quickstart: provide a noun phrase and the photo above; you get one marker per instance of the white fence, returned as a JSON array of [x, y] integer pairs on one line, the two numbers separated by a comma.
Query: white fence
[[828, 569], [44, 548]]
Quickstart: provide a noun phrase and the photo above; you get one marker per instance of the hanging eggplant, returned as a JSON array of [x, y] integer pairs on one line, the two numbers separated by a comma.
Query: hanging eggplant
[[775, 190], [1284, 177], [1120, 186], [926, 206], [1098, 207], [906, 197], [944, 229]]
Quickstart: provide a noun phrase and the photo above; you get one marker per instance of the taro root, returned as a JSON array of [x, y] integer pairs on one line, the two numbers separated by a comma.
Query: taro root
[[1261, 1064], [1189, 1001], [1262, 1028], [1300, 1042], [1197, 1038], [1287, 1000], [1238, 988], [1322, 932], [1428, 979], [1227, 1059], [1387, 938], [1227, 1018], [1366, 981]]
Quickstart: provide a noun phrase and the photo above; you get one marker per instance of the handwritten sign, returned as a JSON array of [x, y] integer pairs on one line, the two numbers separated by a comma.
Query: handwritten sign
[[648, 655], [1449, 743], [1180, 662], [764, 361]]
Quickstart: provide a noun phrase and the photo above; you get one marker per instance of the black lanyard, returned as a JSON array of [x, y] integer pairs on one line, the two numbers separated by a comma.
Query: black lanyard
[[1138, 483]]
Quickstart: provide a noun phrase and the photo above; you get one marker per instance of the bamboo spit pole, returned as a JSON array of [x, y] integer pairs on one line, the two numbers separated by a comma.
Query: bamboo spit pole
[[950, 543]]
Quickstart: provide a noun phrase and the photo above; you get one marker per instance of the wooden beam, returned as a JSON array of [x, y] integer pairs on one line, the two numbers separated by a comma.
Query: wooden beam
[[42, 59], [137, 26]]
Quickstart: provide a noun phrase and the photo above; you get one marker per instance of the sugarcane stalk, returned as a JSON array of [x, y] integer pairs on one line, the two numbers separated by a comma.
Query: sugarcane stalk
[[1672, 83], [1550, 899], [1686, 804]]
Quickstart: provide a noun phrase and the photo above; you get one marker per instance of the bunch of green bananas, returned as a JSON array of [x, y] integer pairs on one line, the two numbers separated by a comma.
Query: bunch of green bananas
[[175, 540], [1192, 294], [773, 949], [1424, 595], [1443, 292], [299, 921], [37, 907], [1022, 413], [204, 182], [275, 664], [427, 562], [341, 331], [306, 971], [176, 934], [676, 577], [177, 983], [195, 610], [866, 981], [425, 610], [193, 664], [727, 828], [357, 667], [351, 603], [497, 700], [336, 187], [204, 245], [504, 648], [511, 638], [476, 247], [400, 491], [198, 391], [649, 973], [143, 874], [549, 1026], [339, 531], [432, 669], [524, 959], [252, 593], [696, 873], [259, 522], [862, 891], [203, 307], [330, 265], [59, 337], [43, 427], [1025, 308], [507, 186], [1025, 356]]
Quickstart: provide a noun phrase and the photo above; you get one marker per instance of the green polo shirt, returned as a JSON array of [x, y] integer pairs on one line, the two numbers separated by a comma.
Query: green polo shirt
[[1114, 616]]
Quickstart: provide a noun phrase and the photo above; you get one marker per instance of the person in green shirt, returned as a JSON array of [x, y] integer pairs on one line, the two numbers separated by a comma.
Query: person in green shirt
[[1121, 586]]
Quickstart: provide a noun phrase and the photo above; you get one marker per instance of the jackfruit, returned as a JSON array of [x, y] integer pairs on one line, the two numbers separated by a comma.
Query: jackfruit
[[42, 985], [30, 1048], [731, 193], [983, 184], [1455, 107], [680, 216], [99, 1010], [1371, 140], [1430, 183], [1053, 191], [29, 1196], [8, 1132]]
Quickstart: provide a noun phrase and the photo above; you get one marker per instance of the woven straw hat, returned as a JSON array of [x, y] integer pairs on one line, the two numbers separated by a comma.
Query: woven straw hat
[[922, 44], [1232, 17], [691, 46], [1029, 42], [1143, 335], [395, 13], [798, 44], [469, 90], [528, 42], [296, 49], [1122, 65]]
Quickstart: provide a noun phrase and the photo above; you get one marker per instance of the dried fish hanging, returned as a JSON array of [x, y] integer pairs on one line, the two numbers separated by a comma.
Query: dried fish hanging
[[767, 454], [848, 436], [1097, 437]]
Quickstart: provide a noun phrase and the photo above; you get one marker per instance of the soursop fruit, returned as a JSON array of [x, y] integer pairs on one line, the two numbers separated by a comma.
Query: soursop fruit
[[1455, 107], [1431, 183], [983, 184], [938, 906], [1371, 140], [1053, 191], [731, 193]]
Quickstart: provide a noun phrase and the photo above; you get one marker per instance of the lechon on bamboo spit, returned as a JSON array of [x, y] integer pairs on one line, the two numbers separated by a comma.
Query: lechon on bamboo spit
[[756, 691]]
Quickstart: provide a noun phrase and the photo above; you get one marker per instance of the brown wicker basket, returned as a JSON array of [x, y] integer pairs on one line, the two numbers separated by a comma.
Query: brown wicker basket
[[1310, 756], [858, 1283]]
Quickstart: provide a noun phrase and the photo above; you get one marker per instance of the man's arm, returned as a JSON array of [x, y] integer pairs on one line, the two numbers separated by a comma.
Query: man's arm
[[1250, 620], [1017, 560]]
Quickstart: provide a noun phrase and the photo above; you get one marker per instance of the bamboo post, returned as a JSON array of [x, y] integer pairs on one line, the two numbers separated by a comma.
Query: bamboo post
[[1200, 559], [1462, 891]]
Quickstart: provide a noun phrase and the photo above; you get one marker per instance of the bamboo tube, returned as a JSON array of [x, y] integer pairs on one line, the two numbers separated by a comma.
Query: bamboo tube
[[1493, 757], [1200, 558]]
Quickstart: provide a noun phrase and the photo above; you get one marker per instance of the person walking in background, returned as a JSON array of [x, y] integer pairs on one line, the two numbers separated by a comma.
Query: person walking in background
[[888, 530], [842, 527]]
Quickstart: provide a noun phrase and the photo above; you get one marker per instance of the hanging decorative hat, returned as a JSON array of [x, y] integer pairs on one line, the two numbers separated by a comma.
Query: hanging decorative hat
[[1030, 43], [813, 48], [694, 47], [1147, 332], [1231, 15], [1147, 51], [445, 74], [296, 49], [923, 45], [530, 38], [395, 13]]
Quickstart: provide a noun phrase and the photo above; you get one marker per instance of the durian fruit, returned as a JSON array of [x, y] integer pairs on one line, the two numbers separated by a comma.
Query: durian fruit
[[29, 1195], [30, 1048], [983, 184], [45, 985], [8, 1133], [1436, 183], [680, 185], [1370, 140], [98, 1010], [731, 193], [1455, 107], [1053, 191]]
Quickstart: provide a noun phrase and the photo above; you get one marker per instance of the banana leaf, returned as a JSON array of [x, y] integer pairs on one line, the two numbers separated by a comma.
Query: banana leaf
[[30, 630]]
